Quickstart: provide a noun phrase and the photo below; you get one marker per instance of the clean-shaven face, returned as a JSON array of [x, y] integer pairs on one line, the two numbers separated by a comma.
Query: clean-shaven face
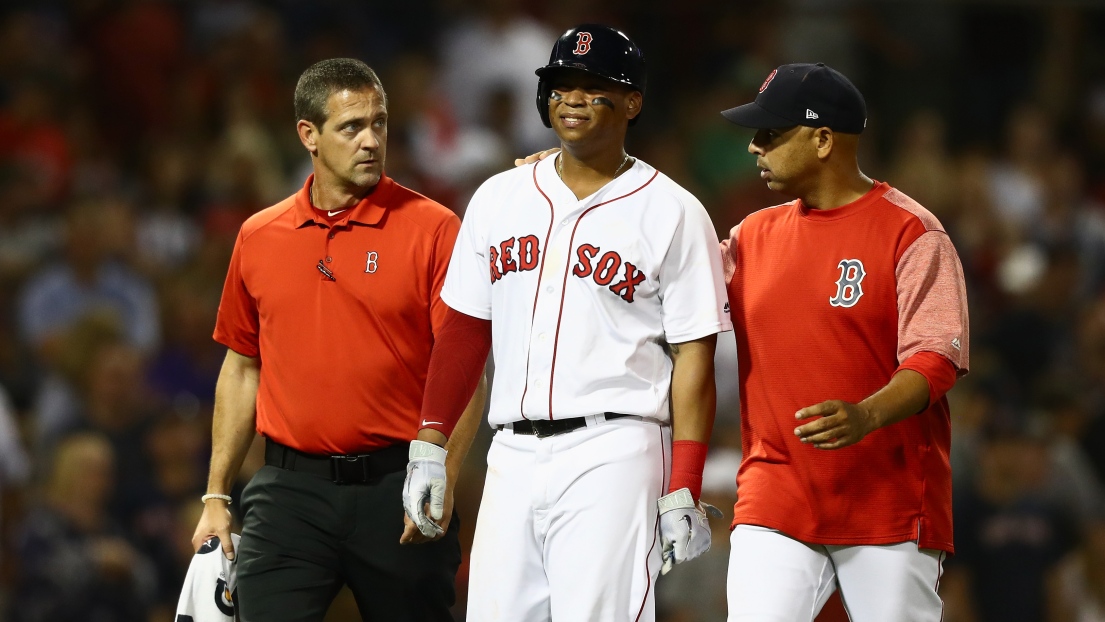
[[352, 142]]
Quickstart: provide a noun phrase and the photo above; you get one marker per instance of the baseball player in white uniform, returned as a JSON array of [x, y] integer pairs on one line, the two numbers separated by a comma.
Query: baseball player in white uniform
[[598, 280]]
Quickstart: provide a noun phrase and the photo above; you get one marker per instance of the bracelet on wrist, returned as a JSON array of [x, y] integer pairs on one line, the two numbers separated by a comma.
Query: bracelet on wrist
[[205, 498]]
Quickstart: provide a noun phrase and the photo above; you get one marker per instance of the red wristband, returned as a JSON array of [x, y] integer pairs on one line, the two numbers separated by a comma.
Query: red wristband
[[688, 458], [939, 372]]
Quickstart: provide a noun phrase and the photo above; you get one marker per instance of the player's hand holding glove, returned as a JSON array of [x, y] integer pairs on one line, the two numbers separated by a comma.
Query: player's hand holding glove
[[425, 484], [684, 529]]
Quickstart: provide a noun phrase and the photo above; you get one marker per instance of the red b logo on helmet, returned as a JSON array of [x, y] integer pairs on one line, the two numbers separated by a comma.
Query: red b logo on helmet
[[583, 44], [763, 87]]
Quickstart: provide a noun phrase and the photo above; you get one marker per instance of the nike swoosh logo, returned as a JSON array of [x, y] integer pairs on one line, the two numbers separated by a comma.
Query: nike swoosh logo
[[687, 518], [425, 423], [335, 213]]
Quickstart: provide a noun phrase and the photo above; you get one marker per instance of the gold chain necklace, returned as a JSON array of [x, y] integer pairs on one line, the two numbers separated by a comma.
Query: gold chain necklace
[[560, 167]]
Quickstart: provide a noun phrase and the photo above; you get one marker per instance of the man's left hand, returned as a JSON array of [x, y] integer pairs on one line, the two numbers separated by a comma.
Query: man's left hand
[[684, 528], [424, 491], [840, 424], [411, 534]]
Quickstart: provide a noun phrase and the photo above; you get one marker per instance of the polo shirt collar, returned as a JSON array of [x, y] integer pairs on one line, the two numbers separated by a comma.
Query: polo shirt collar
[[369, 211]]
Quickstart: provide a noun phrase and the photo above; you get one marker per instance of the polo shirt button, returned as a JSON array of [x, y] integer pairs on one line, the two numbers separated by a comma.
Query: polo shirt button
[[542, 336], [329, 259], [331, 236], [549, 288]]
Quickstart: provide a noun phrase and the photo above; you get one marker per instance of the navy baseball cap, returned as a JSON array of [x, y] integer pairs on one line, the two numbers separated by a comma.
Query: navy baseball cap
[[814, 95]]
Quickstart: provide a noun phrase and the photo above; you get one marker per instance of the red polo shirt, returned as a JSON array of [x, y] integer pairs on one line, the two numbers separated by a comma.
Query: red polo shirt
[[344, 351]]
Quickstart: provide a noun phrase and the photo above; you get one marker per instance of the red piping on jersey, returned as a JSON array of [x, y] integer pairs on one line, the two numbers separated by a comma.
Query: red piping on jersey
[[656, 528], [939, 573], [540, 272], [564, 285]]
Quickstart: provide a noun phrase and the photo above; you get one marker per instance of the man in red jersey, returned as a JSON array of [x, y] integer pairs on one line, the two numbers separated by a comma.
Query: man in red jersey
[[850, 315]]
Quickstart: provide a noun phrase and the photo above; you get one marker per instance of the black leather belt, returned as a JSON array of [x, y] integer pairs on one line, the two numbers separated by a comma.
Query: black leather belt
[[353, 469], [542, 428]]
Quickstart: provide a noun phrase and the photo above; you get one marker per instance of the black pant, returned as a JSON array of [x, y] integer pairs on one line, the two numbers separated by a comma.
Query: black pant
[[303, 537]]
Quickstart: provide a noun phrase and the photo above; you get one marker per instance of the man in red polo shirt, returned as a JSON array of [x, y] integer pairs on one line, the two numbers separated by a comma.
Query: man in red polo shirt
[[329, 312]]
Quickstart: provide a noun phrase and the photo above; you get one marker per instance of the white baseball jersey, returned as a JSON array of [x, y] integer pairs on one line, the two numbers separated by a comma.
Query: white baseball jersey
[[584, 294]]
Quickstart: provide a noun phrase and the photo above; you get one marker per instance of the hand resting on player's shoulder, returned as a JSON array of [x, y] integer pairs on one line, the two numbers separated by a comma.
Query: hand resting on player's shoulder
[[540, 155]]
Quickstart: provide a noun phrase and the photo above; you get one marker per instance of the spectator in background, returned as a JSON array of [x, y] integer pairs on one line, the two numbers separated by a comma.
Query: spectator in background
[[449, 157], [34, 142], [75, 562], [183, 372], [1008, 535], [88, 279], [1018, 179], [922, 167], [175, 450], [58, 406], [494, 51], [1079, 586], [167, 234]]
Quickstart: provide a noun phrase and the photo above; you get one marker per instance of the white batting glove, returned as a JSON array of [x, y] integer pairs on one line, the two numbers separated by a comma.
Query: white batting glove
[[684, 529], [425, 483]]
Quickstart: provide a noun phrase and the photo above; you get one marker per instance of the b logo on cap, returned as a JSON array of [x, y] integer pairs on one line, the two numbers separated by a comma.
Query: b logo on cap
[[583, 44], [768, 80]]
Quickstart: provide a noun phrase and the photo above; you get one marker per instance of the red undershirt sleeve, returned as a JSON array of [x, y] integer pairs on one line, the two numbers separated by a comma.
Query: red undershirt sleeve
[[939, 372], [456, 366]]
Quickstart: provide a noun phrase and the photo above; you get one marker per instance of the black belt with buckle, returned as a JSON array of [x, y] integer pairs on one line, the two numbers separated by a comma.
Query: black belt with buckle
[[352, 469], [542, 428]]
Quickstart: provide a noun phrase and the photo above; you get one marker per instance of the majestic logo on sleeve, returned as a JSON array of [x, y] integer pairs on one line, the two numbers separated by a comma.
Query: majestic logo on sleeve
[[606, 268], [848, 286], [514, 256], [583, 43]]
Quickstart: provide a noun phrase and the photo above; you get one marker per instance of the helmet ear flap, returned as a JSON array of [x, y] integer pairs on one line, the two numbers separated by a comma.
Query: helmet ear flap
[[543, 92]]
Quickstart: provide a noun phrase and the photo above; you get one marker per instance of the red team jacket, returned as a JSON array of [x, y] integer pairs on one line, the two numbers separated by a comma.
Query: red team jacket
[[828, 305]]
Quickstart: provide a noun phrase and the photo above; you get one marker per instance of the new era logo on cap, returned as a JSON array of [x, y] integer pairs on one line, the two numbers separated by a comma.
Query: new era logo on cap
[[790, 95]]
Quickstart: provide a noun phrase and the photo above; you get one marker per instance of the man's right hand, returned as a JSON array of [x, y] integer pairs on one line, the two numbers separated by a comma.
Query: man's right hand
[[540, 155], [215, 521]]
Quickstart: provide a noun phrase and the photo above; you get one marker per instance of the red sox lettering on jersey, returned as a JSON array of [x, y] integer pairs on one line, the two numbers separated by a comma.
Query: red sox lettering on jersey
[[502, 256], [583, 294], [527, 250], [607, 267]]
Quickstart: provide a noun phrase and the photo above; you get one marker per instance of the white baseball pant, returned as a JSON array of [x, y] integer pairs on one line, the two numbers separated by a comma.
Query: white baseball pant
[[775, 578], [567, 528]]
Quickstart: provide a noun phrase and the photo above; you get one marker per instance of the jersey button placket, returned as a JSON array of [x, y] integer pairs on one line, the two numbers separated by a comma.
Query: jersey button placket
[[328, 257]]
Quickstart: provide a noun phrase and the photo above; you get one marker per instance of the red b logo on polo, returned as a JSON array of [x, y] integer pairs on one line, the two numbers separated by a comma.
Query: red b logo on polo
[[583, 44], [770, 77]]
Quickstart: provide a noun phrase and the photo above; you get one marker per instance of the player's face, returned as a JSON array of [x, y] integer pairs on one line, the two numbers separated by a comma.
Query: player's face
[[785, 157], [584, 107], [353, 139]]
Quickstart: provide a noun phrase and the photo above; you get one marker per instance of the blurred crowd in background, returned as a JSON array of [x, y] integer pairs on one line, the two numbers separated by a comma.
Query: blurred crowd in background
[[137, 135]]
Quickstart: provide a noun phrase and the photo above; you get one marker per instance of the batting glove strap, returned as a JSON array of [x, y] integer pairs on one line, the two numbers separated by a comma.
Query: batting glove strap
[[425, 483], [679, 499], [421, 450]]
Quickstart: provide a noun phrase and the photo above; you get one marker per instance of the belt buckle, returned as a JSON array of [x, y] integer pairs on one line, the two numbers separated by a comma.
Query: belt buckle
[[349, 469], [539, 429]]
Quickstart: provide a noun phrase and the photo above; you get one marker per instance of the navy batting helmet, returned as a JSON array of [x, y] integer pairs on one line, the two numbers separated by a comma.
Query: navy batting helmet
[[596, 49]]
